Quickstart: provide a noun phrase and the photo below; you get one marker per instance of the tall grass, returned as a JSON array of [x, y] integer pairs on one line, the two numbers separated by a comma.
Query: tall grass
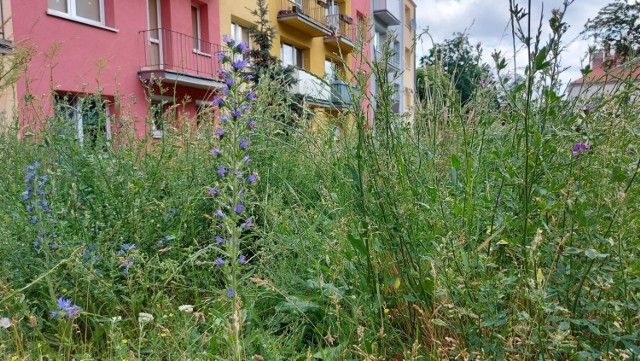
[[478, 232]]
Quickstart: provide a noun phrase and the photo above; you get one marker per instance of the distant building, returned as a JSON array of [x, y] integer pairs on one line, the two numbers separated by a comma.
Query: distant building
[[605, 77]]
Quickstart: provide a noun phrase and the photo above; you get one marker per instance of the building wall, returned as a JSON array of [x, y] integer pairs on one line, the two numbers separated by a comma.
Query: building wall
[[80, 58]]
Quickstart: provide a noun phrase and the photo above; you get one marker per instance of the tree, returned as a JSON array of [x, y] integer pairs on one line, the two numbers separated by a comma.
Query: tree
[[617, 25], [462, 62]]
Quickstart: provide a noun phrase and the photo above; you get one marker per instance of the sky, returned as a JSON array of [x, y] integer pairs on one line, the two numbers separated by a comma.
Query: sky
[[487, 22]]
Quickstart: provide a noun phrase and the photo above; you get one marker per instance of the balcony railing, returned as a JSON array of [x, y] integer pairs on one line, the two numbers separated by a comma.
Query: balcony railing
[[393, 61], [343, 33], [316, 90], [387, 11], [179, 53], [304, 15]]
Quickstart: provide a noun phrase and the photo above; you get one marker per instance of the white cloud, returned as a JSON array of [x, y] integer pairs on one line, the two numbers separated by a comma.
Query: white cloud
[[487, 21]]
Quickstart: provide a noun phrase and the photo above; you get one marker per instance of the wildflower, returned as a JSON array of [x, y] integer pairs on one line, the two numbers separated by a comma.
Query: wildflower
[[248, 76], [225, 89], [229, 81], [588, 108], [579, 148], [65, 308], [242, 259], [36, 244], [239, 208], [248, 223], [216, 152], [219, 213], [222, 171], [29, 208], [224, 118], [53, 246], [5, 322], [128, 246], [218, 262], [230, 292], [252, 178], [222, 56], [26, 196], [251, 124], [230, 42], [244, 107], [44, 178], [244, 143], [220, 132], [213, 191], [40, 184], [219, 240], [243, 47], [35, 219], [30, 177], [41, 192], [144, 318], [251, 96], [218, 101], [235, 114], [483, 84], [246, 159], [239, 64], [43, 203], [185, 308]]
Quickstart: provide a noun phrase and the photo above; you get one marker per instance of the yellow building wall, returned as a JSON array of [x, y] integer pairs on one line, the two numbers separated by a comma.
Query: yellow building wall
[[315, 50]]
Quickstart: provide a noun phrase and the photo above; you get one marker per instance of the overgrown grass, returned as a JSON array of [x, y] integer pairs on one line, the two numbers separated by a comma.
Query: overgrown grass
[[472, 234]]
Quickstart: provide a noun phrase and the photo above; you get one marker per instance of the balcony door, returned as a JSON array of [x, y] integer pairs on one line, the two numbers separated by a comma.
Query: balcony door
[[332, 14], [155, 33]]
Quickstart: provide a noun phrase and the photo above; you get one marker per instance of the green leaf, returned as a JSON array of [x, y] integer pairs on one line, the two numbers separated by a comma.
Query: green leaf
[[357, 244], [455, 162], [593, 254]]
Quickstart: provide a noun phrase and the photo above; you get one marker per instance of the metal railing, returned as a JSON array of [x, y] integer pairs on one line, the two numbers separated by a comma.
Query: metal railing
[[165, 49], [393, 60], [305, 8], [333, 92], [340, 27]]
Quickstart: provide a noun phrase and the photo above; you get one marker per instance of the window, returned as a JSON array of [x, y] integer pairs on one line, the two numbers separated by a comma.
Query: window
[[407, 16], [196, 27], [89, 116], [88, 11], [240, 34], [161, 112], [290, 55]]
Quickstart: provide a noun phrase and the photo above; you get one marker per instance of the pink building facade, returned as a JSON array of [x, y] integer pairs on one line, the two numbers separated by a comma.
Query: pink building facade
[[122, 52]]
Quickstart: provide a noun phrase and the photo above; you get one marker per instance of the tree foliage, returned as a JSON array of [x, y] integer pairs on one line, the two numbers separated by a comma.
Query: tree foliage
[[462, 62], [616, 26]]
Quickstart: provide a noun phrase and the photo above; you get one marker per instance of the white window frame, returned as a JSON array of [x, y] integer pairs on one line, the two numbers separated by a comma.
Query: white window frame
[[296, 50], [71, 14], [160, 100], [75, 102], [237, 29], [198, 36]]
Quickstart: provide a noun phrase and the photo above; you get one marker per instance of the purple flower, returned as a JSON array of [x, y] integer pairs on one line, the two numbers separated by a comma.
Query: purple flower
[[242, 259], [220, 132], [225, 90], [218, 101], [588, 108], [224, 118], [244, 143], [26, 196], [43, 203], [248, 223], [239, 64], [216, 152], [230, 42], [235, 114], [30, 208], [252, 178], [30, 177], [73, 311], [222, 56], [229, 81], [239, 208], [246, 159], [219, 240], [219, 213], [41, 192], [243, 47], [218, 262], [65, 305], [213, 191], [36, 243], [244, 107], [40, 184], [579, 148], [230, 292], [222, 171], [129, 246], [483, 84], [248, 76], [251, 96], [251, 124], [34, 219]]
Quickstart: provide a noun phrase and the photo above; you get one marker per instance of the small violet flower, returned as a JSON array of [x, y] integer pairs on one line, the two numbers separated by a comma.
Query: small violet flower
[[218, 262], [219, 213], [242, 259], [579, 148], [244, 143], [222, 171], [230, 292], [239, 208]]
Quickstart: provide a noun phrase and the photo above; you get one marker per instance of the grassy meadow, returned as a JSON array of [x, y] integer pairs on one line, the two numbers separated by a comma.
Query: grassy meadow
[[504, 228]]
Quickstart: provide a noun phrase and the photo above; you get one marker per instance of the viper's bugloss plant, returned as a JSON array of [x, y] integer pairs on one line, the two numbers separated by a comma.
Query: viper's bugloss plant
[[233, 177]]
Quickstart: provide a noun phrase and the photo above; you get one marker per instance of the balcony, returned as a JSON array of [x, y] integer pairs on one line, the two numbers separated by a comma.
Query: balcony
[[176, 58], [393, 62], [387, 11], [320, 92], [305, 16], [343, 33]]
